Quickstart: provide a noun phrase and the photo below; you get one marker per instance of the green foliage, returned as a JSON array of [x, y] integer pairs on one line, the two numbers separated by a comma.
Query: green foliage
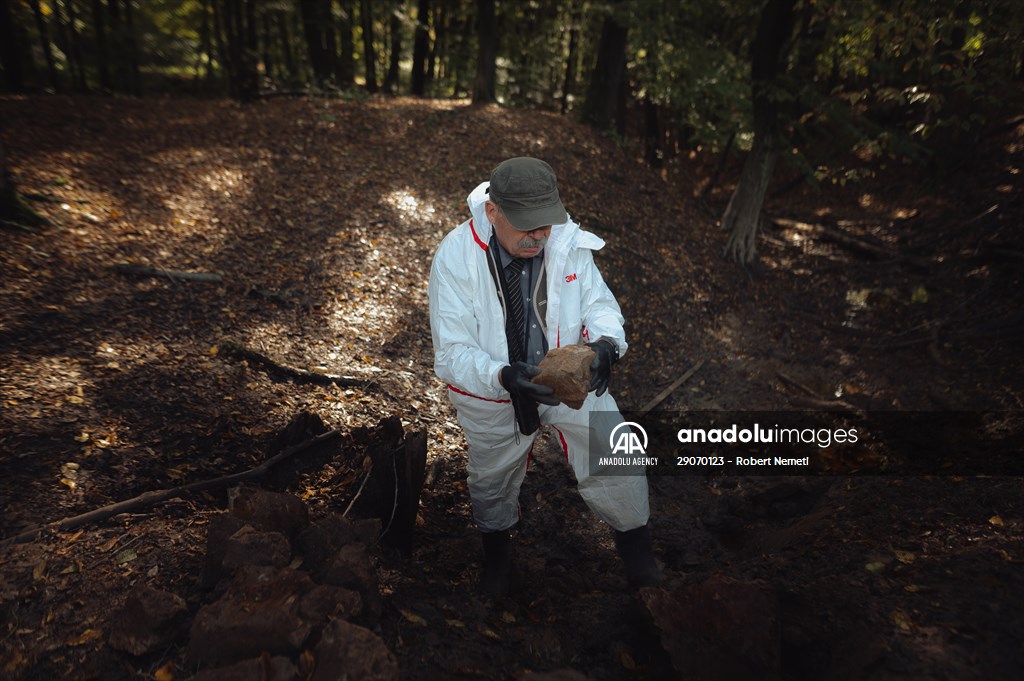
[[911, 80]]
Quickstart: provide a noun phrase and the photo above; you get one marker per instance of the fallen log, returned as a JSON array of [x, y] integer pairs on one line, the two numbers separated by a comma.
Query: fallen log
[[232, 349], [134, 269], [810, 398], [663, 395], [851, 242], [151, 498]]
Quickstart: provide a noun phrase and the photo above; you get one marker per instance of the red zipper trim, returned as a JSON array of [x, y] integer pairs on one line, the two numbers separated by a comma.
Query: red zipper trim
[[463, 392]]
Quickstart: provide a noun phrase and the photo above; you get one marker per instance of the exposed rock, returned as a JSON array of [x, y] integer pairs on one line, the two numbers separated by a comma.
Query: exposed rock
[[324, 601], [348, 651], [324, 538], [150, 620], [721, 629], [249, 546], [265, 668], [271, 511], [352, 569], [222, 527], [567, 370], [258, 613]]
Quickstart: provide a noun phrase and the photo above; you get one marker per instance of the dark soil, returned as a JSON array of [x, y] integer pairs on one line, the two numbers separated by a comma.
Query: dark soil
[[322, 217]]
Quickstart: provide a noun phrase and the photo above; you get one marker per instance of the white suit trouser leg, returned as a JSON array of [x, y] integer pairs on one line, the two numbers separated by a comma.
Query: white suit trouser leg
[[497, 462]]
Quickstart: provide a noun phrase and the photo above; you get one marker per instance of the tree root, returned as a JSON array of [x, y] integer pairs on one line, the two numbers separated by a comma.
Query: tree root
[[232, 349]]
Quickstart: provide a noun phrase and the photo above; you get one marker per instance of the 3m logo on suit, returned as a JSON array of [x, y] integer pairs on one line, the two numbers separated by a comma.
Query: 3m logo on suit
[[570, 278]]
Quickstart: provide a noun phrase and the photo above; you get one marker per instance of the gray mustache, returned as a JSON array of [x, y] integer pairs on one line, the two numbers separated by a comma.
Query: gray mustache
[[527, 242]]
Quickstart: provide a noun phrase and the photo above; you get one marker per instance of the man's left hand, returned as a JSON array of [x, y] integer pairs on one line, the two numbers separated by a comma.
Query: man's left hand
[[605, 355]]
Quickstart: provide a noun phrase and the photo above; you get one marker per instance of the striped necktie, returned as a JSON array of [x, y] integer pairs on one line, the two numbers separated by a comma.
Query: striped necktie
[[515, 325]]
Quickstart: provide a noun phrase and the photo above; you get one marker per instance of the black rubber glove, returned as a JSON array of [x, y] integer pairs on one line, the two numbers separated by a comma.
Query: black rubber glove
[[516, 380], [605, 355]]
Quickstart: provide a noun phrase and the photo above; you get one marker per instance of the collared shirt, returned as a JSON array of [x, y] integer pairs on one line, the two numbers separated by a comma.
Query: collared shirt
[[536, 343]]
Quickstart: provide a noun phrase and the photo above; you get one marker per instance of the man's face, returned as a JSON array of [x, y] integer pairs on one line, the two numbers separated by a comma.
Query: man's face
[[518, 244]]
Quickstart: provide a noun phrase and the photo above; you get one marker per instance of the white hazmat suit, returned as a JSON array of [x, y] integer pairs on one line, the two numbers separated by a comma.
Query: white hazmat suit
[[470, 348]]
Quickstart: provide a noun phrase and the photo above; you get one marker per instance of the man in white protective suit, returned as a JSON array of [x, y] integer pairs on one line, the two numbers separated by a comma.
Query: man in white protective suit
[[513, 281]]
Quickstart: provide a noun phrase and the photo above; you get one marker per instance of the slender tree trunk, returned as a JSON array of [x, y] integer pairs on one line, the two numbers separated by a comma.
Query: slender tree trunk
[[220, 28], [133, 49], [440, 11], [102, 63], [569, 82], [602, 107], [314, 39], [421, 47], [652, 134], [286, 45], [346, 60], [76, 47], [269, 65], [742, 216], [395, 29], [10, 55], [205, 43], [369, 51], [485, 85], [250, 54], [44, 41]]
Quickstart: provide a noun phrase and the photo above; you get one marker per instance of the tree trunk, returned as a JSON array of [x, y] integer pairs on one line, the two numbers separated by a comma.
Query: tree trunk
[[250, 54], [421, 47], [219, 33], [652, 134], [607, 81], [395, 55], [438, 22], [205, 43], [742, 216], [44, 41], [286, 45], [75, 41], [269, 65], [313, 30], [102, 63], [369, 51], [485, 85], [569, 83], [133, 49], [10, 57], [346, 62]]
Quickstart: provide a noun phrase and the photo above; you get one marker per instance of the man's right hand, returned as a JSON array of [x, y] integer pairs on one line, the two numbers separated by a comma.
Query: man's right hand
[[516, 380]]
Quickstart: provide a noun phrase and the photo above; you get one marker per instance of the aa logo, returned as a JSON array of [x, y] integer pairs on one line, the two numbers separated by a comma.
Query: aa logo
[[624, 441]]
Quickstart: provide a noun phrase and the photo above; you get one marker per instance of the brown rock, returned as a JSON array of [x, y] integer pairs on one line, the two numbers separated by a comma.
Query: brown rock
[[352, 569], [150, 620], [323, 539], [222, 527], [265, 668], [324, 601], [567, 370], [348, 651], [249, 546], [258, 613], [271, 511]]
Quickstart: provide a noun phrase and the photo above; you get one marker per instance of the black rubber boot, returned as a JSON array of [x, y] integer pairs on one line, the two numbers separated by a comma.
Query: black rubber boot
[[497, 576], [635, 548]]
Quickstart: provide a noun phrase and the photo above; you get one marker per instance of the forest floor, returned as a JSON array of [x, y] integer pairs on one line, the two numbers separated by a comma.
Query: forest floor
[[322, 216]]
